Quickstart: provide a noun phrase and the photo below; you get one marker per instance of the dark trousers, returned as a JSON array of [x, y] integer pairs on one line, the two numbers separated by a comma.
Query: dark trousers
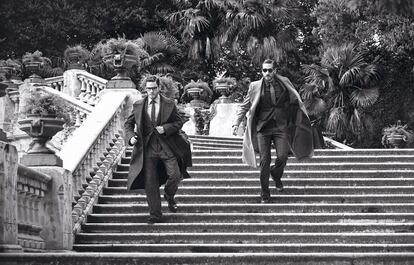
[[280, 140], [152, 180]]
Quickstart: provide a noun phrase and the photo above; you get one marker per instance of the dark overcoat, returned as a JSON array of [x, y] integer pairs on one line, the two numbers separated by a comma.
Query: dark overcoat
[[173, 137], [299, 127]]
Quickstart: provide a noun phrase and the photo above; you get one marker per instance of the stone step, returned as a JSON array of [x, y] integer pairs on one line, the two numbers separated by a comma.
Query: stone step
[[297, 190], [294, 174], [287, 181], [300, 166], [221, 237], [316, 159], [215, 138], [318, 152], [277, 198], [279, 254], [248, 227], [264, 208], [253, 217], [278, 249]]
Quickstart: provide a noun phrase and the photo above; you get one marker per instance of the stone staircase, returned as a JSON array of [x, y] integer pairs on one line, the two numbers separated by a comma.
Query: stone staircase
[[341, 206]]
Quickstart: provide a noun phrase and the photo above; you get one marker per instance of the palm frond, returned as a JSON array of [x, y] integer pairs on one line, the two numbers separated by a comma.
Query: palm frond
[[363, 98], [336, 121], [316, 106]]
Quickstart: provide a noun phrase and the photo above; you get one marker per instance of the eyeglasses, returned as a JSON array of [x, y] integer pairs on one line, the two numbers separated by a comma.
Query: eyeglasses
[[267, 70]]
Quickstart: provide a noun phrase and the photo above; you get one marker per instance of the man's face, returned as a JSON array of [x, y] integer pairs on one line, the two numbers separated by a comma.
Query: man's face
[[152, 89], [267, 71]]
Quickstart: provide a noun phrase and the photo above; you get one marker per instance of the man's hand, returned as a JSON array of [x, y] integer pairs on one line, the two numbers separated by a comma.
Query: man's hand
[[160, 129], [235, 128], [133, 140]]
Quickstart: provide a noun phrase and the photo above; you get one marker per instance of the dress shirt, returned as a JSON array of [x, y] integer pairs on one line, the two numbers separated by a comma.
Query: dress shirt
[[157, 106]]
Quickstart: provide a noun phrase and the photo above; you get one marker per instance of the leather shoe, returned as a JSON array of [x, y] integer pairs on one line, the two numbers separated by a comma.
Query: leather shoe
[[279, 184], [267, 200], [152, 220], [172, 205]]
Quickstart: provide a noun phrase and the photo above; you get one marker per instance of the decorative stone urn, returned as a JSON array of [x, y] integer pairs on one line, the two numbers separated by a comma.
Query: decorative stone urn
[[41, 129], [396, 140], [33, 69], [224, 89], [195, 94], [121, 63], [74, 60]]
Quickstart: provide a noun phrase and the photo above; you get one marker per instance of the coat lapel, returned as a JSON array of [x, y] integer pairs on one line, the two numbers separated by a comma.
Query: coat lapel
[[165, 110]]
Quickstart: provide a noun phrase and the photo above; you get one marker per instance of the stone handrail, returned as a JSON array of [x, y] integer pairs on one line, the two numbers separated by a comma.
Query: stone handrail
[[82, 110], [98, 146], [55, 82], [31, 188], [91, 85]]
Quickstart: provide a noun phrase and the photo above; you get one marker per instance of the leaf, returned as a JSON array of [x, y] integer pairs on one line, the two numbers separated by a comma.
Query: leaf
[[364, 97]]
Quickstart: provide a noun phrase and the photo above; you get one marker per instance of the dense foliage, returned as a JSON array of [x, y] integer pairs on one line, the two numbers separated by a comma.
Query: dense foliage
[[197, 39]]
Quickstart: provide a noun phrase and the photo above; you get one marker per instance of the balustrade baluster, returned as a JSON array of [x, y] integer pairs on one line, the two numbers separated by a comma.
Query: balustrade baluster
[[83, 87]]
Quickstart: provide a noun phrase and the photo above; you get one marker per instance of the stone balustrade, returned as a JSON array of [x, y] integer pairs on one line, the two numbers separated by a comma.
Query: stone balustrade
[[99, 145], [81, 109], [34, 205], [55, 82], [31, 189], [91, 85]]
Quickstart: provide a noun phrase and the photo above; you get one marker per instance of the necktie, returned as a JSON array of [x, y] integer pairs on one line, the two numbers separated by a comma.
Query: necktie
[[153, 111], [272, 93]]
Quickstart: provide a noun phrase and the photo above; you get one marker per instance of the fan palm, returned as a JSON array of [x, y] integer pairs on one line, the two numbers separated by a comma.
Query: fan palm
[[341, 88], [260, 27], [198, 25], [164, 50]]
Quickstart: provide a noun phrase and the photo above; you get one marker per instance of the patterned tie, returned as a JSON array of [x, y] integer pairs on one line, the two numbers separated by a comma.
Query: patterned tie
[[153, 111]]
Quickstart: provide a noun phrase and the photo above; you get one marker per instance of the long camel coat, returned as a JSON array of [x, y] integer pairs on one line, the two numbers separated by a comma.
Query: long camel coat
[[173, 137], [300, 131]]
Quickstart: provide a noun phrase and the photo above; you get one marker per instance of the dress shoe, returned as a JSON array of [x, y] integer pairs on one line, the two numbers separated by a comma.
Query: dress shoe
[[267, 200], [152, 220], [279, 184], [172, 205]]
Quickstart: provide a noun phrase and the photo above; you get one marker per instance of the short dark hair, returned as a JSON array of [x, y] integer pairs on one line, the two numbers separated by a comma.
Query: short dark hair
[[152, 78], [269, 61]]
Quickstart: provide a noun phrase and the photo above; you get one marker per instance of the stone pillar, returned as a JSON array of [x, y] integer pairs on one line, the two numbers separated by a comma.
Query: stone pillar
[[221, 124], [190, 126], [71, 83], [8, 199], [57, 222]]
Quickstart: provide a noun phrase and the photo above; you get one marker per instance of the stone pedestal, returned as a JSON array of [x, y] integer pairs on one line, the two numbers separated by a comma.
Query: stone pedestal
[[223, 120], [6, 113], [189, 127], [8, 199], [57, 222], [71, 83]]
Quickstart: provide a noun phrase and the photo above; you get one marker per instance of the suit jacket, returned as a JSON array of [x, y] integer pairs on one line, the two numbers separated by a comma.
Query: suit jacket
[[299, 126], [173, 137]]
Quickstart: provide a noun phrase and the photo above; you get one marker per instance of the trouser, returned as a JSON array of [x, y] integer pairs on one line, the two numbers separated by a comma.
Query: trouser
[[280, 140], [152, 181]]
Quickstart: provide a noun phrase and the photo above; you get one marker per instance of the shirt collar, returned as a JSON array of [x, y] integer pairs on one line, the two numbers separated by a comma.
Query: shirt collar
[[156, 100]]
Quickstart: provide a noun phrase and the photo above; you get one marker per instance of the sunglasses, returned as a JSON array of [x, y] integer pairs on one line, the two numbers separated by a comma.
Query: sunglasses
[[264, 70]]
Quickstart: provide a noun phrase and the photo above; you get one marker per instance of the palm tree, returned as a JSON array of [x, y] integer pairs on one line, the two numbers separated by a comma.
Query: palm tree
[[262, 28], [198, 25], [164, 50], [341, 89]]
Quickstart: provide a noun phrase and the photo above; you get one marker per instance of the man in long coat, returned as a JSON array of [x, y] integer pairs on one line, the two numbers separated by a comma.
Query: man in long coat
[[275, 113], [161, 154]]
